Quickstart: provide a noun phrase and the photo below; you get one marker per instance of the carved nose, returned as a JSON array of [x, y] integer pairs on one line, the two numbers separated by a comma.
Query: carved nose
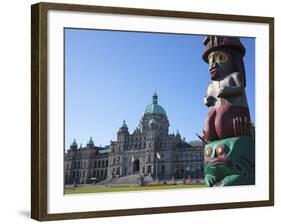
[[213, 65]]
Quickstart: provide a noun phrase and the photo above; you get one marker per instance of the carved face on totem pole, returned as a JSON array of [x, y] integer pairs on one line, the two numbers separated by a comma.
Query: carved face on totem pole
[[230, 162], [229, 152], [220, 64], [224, 56]]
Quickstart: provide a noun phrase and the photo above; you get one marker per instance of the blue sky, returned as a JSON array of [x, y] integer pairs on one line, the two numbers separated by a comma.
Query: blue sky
[[110, 76]]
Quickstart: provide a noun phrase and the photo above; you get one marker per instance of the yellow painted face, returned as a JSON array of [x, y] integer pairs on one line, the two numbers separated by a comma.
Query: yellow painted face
[[218, 57]]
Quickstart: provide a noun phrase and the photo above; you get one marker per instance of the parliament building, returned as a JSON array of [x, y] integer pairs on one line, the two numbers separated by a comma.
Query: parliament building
[[150, 151]]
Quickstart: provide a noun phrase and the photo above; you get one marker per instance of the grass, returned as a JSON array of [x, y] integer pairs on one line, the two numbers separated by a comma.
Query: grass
[[81, 190]]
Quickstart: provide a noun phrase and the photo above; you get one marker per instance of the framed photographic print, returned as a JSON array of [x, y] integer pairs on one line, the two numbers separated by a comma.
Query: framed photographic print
[[141, 111]]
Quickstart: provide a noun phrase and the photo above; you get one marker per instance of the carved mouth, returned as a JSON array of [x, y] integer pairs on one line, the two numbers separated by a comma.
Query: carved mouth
[[223, 160], [214, 72]]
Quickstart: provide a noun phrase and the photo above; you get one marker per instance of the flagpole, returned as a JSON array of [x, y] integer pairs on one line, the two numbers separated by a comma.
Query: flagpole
[[156, 169], [157, 157], [131, 170]]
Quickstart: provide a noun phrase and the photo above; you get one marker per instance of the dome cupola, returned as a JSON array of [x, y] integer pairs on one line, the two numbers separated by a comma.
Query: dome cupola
[[91, 143], [124, 125], [74, 145], [155, 108], [123, 129]]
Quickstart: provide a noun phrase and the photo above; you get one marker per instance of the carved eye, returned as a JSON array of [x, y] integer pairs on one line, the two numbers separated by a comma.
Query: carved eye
[[210, 58], [208, 152], [220, 150], [222, 57]]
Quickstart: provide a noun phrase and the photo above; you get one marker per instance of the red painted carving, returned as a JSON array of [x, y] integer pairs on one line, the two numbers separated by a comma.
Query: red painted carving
[[226, 121]]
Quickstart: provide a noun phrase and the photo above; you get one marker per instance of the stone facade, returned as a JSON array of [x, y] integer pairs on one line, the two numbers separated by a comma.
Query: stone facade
[[85, 163], [149, 151]]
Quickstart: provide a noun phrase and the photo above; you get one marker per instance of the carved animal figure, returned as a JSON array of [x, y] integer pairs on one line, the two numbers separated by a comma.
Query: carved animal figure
[[230, 162]]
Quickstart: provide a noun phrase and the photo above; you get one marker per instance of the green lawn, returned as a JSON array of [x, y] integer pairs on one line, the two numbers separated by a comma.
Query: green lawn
[[80, 190]]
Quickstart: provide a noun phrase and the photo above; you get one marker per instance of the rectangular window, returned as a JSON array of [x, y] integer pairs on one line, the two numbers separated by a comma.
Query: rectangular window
[[118, 171], [143, 169], [149, 170], [125, 171], [162, 169]]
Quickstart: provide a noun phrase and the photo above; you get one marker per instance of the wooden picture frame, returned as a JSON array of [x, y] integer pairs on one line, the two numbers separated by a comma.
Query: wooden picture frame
[[39, 110]]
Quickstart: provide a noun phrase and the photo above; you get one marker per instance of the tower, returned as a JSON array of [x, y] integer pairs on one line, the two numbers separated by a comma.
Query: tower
[[91, 144], [154, 118], [122, 135], [74, 145]]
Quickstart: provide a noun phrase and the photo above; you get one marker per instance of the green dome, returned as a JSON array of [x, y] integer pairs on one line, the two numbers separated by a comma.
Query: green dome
[[124, 125], [154, 108], [74, 143], [91, 142]]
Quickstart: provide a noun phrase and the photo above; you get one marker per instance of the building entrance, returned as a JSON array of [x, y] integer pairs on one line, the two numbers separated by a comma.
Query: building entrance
[[136, 166]]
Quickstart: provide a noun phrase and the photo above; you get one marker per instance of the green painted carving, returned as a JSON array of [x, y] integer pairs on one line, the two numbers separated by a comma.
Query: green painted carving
[[230, 162]]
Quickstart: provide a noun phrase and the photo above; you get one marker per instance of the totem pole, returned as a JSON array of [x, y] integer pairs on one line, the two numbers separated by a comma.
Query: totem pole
[[228, 133]]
